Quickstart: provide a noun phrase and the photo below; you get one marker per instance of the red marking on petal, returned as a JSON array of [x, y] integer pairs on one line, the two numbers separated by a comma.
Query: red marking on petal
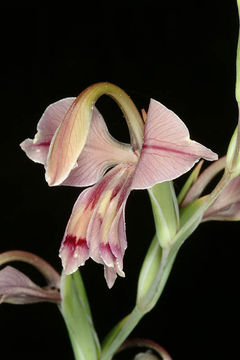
[[72, 242], [167, 149], [116, 190], [74, 252], [82, 243], [74, 245], [45, 143], [105, 247], [123, 187]]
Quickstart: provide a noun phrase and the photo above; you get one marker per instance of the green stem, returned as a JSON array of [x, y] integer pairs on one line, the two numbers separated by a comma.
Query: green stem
[[125, 327], [119, 333], [148, 301], [77, 316]]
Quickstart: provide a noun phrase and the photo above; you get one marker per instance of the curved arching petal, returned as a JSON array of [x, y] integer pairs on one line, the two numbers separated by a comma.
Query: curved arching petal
[[100, 152], [37, 149], [71, 136], [167, 151]]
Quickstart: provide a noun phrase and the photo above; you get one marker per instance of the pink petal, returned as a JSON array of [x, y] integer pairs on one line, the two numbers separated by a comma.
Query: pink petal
[[71, 136], [98, 218], [203, 180], [167, 151], [74, 252], [17, 288], [101, 152], [108, 241], [37, 149], [117, 245], [230, 212], [106, 233], [117, 238], [93, 232], [110, 276], [74, 249], [227, 205]]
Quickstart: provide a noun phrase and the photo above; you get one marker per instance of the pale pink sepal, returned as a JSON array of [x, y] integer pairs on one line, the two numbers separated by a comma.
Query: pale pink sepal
[[167, 150], [203, 180], [110, 276], [17, 288], [37, 149], [227, 205]]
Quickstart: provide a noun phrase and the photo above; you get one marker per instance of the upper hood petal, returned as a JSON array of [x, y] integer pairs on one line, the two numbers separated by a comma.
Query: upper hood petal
[[100, 152]]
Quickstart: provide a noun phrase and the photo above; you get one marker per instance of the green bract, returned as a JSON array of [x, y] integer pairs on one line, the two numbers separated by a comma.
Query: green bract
[[77, 316]]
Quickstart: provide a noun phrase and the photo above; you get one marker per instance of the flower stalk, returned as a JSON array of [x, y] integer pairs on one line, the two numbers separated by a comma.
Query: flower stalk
[[76, 313]]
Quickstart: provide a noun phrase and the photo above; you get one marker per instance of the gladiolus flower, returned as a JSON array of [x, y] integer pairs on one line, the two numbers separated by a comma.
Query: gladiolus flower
[[77, 150]]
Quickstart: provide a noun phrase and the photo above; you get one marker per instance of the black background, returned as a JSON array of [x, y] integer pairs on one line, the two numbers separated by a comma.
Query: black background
[[180, 53]]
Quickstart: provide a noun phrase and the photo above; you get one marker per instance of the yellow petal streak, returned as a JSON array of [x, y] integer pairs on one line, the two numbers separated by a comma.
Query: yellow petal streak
[[104, 203], [108, 220], [79, 228]]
